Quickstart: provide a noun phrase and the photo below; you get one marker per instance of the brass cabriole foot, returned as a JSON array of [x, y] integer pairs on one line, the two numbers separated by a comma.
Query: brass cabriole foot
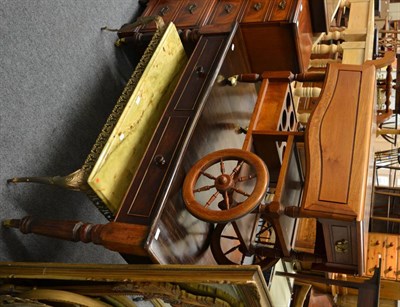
[[76, 181], [11, 223]]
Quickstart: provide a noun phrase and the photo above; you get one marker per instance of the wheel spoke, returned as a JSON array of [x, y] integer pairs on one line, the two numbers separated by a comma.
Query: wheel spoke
[[237, 169], [232, 249], [245, 178], [263, 229], [226, 199], [222, 165], [208, 175], [212, 198], [229, 237], [239, 235], [241, 192], [205, 188]]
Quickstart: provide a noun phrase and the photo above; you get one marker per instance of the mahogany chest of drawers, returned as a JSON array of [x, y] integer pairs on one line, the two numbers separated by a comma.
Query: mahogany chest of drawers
[[277, 34]]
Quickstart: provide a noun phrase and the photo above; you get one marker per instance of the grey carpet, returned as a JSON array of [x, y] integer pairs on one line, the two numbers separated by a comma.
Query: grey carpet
[[60, 77]]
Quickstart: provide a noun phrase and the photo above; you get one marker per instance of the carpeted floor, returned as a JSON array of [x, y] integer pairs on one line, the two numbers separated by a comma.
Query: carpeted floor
[[60, 77]]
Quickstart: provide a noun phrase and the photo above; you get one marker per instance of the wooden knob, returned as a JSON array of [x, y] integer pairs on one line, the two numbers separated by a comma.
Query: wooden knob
[[390, 244]]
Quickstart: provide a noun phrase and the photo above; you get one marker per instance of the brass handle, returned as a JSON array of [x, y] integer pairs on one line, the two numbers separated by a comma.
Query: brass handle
[[159, 160], [228, 8], [282, 5], [200, 71], [192, 7], [257, 6], [164, 10], [342, 246]]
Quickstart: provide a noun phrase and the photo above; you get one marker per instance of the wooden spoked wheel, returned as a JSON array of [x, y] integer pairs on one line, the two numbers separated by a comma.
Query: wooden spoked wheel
[[229, 246], [225, 185]]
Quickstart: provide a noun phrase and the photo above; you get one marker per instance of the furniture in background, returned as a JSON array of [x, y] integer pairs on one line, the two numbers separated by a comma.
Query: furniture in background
[[276, 34], [368, 290], [160, 285]]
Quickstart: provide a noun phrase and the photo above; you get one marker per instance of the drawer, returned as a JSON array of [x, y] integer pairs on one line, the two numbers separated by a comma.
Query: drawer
[[225, 12], [283, 10], [166, 9], [256, 11], [340, 242], [192, 12]]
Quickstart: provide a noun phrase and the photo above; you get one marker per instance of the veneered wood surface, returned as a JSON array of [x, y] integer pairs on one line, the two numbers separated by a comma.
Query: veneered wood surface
[[338, 144]]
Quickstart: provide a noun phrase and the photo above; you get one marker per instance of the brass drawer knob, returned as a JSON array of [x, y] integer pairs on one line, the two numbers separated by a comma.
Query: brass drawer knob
[[228, 8], [257, 6], [192, 7], [282, 4], [164, 10], [200, 71], [342, 246], [159, 160]]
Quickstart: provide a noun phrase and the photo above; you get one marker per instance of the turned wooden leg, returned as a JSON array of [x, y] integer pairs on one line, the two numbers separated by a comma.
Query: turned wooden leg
[[119, 237]]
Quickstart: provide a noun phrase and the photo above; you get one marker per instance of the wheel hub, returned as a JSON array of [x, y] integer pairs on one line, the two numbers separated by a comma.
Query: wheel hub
[[224, 183]]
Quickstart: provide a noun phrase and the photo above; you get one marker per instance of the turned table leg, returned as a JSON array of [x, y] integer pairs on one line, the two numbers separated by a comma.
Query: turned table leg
[[119, 237]]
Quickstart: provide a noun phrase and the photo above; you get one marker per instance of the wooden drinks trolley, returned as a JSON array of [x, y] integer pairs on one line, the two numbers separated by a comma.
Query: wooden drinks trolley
[[227, 185]]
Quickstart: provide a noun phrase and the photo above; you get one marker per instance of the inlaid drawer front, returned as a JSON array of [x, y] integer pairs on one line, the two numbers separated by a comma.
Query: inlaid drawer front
[[191, 13], [256, 10], [166, 9], [225, 12], [281, 10], [201, 62], [156, 169]]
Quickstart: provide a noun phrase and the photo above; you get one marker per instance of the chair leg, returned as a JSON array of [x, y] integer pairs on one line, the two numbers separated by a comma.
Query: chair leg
[[119, 237]]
